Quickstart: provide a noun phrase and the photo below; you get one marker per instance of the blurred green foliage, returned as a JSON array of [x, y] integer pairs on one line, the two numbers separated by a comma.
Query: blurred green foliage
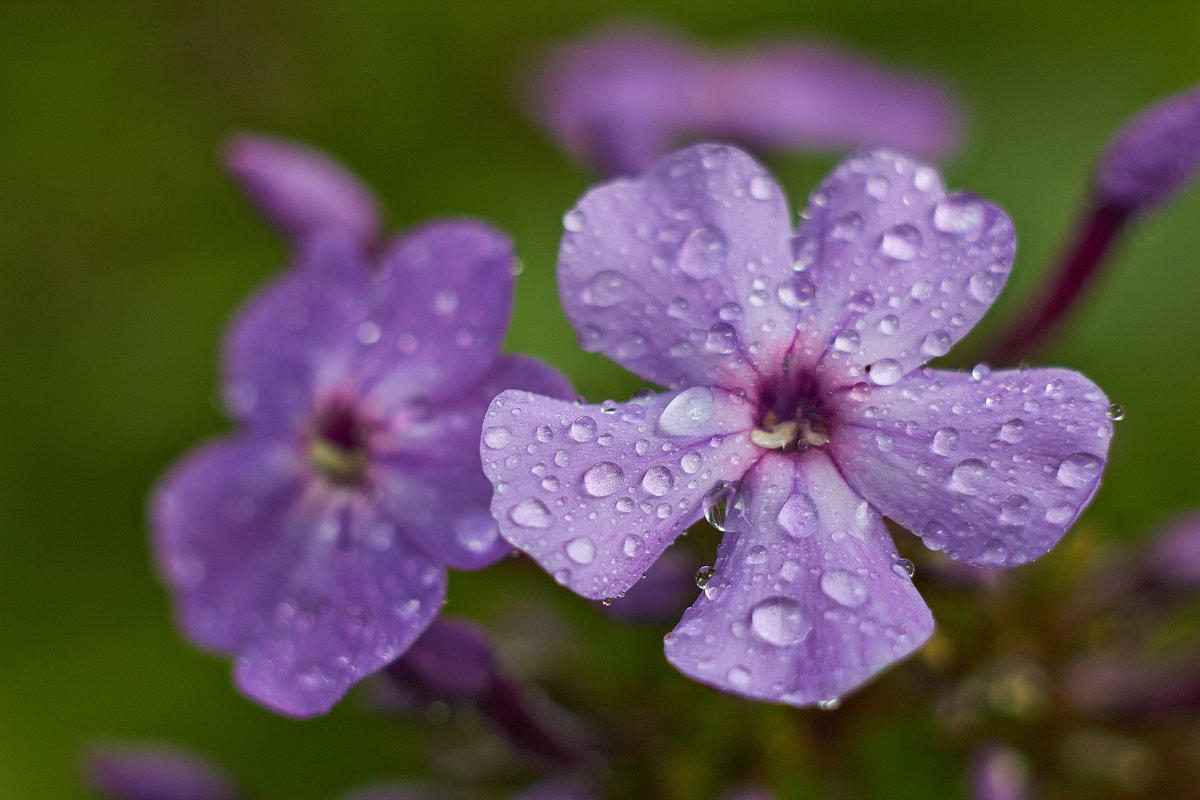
[[124, 250]]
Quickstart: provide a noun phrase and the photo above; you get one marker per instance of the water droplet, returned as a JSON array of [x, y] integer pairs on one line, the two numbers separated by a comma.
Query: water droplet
[[723, 506], [531, 513], [703, 576], [904, 568], [603, 479], [703, 253], [844, 587], [983, 286], [583, 429], [605, 289], [1016, 510], [721, 339], [796, 292], [690, 462], [980, 372], [1116, 412], [760, 187], [574, 220], [1012, 431], [550, 483], [544, 433], [969, 476], [1079, 470], [561, 458], [739, 676], [756, 555], [368, 332], [779, 621], [686, 414], [884, 442], [731, 312], [658, 481], [624, 505], [581, 550], [937, 343], [958, 214], [445, 301], [632, 547], [1057, 515], [798, 516], [832, 704], [804, 253], [901, 242], [945, 441], [848, 226], [847, 341], [889, 324], [885, 372], [497, 437], [1055, 387], [862, 302]]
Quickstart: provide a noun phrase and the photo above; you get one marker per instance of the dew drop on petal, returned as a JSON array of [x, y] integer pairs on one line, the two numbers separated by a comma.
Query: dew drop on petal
[[901, 242], [603, 479], [760, 187], [846, 341], [633, 546], [703, 576], [739, 676], [904, 568], [844, 587], [658, 481], [1116, 412], [779, 621], [968, 476], [937, 343], [574, 221], [687, 412], [847, 226], [886, 371], [531, 513], [983, 286], [798, 516], [703, 253], [1079, 470], [605, 289], [497, 437], [1016, 510], [722, 339], [945, 441], [796, 292], [958, 214], [691, 462], [581, 550], [583, 429], [756, 555], [1013, 431], [980, 372]]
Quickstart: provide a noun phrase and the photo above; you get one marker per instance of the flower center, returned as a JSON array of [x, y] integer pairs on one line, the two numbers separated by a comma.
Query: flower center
[[792, 419], [338, 447]]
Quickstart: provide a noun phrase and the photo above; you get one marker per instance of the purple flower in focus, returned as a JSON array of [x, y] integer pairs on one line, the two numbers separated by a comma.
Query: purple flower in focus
[[314, 542], [796, 404], [154, 772], [622, 99]]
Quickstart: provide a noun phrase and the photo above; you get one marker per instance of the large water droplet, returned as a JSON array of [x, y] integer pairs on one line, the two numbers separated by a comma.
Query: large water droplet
[[703, 253], [983, 286], [690, 462], [574, 220], [958, 214], [969, 476], [779, 621], [844, 587], [703, 576], [721, 339], [583, 429], [581, 550], [1079, 470], [904, 568], [937, 343], [945, 441], [760, 187], [497, 437], [658, 481], [686, 414], [798, 516], [886, 371], [531, 513], [1012, 431], [603, 479], [901, 242], [605, 289], [847, 341], [723, 506], [847, 226], [796, 292], [1016, 510], [1116, 412]]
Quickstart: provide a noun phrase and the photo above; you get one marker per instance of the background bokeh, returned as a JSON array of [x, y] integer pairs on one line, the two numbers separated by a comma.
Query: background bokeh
[[124, 250]]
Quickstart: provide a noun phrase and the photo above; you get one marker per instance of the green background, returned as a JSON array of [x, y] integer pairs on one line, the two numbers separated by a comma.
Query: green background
[[124, 250]]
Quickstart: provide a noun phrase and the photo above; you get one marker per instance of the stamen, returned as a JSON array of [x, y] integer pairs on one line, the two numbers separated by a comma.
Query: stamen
[[777, 438]]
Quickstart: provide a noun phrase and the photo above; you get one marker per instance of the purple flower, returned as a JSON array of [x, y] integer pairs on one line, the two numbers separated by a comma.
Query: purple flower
[[620, 100], [797, 406], [314, 542], [154, 772]]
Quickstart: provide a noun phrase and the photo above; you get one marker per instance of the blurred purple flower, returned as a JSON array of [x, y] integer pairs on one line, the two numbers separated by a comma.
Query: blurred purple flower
[[313, 544], [797, 398], [668, 587], [999, 773], [622, 99], [301, 190], [1150, 160], [1174, 558], [154, 772]]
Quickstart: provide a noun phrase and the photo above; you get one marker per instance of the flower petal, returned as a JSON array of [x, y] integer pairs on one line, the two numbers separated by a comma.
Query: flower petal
[[155, 772], [993, 471], [809, 598], [440, 306], [674, 275], [302, 190], [595, 493], [305, 582], [430, 480], [899, 269], [298, 337]]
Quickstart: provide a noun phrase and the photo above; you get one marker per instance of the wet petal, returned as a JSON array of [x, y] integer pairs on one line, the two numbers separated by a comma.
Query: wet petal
[[302, 190], [595, 493], [992, 471], [453, 661], [305, 582], [1154, 157], [900, 270], [430, 480], [440, 304], [297, 339], [676, 276], [809, 598]]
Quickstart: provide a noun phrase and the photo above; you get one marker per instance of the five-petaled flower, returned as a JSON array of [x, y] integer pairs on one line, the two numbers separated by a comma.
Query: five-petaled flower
[[313, 543], [797, 391]]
